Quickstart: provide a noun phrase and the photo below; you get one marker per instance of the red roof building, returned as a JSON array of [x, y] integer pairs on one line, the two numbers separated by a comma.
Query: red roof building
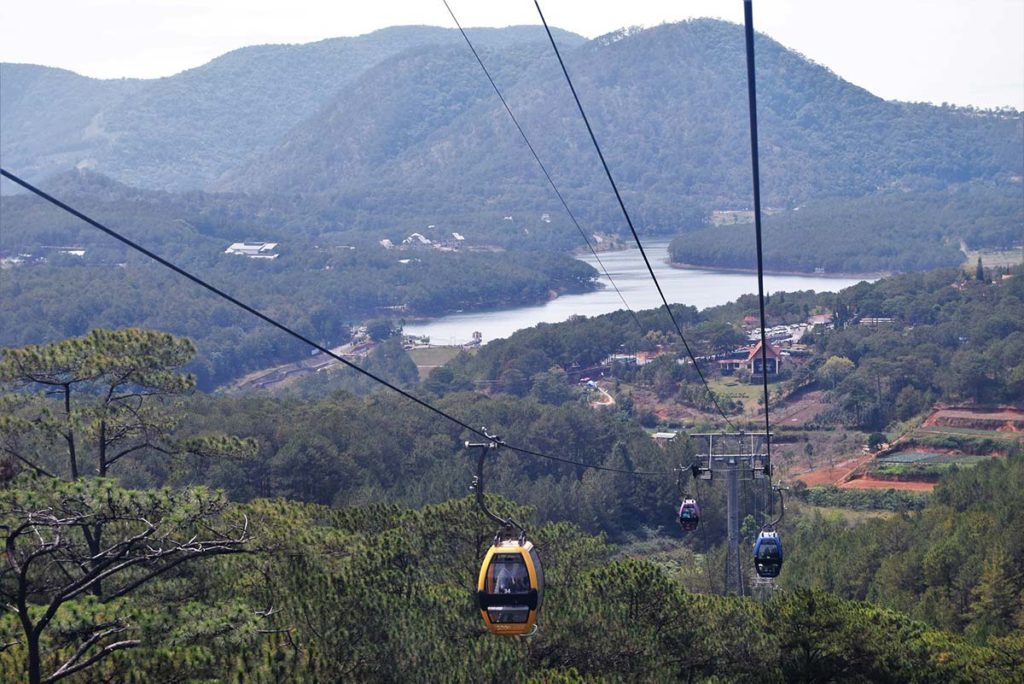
[[754, 361]]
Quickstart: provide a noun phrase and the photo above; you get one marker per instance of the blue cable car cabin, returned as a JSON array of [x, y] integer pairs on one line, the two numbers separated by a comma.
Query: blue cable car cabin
[[768, 554], [510, 588], [689, 515]]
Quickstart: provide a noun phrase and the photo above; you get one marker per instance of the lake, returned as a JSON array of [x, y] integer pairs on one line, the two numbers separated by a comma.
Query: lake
[[696, 287]]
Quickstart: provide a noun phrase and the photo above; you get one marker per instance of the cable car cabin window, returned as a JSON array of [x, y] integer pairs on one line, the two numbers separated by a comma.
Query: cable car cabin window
[[507, 574], [768, 558], [508, 615]]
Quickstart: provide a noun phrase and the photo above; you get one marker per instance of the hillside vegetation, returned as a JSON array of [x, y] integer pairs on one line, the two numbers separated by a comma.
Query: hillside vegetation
[[892, 231], [953, 564], [188, 582], [400, 128], [668, 104], [159, 525], [948, 338], [183, 131]]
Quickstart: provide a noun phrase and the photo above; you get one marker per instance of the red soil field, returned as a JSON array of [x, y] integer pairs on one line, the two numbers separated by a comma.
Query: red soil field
[[836, 474], [1005, 419]]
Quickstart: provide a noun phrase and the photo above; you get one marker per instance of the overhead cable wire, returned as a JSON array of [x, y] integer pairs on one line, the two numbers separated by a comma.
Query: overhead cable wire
[[299, 336], [629, 221], [543, 168], [748, 21], [569, 461]]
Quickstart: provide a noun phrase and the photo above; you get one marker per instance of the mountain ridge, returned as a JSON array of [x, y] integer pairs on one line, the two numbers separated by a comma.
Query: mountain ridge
[[678, 147], [411, 133], [179, 132]]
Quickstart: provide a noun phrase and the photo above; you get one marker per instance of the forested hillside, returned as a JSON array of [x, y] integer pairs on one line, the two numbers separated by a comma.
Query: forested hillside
[[669, 105], [947, 338], [162, 520], [953, 340], [955, 564], [183, 131], [199, 584], [891, 231], [400, 126], [381, 594]]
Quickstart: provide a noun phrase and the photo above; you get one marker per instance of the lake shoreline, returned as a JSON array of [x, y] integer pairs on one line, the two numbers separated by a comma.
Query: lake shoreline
[[697, 287], [624, 247], [878, 275]]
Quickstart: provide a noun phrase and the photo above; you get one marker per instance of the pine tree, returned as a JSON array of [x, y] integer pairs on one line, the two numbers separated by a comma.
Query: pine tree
[[996, 598], [106, 542]]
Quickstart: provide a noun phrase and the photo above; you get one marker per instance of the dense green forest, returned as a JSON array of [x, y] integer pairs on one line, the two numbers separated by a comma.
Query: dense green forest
[[157, 530], [169, 218], [953, 340], [111, 577], [384, 594], [669, 105], [322, 304], [887, 231]]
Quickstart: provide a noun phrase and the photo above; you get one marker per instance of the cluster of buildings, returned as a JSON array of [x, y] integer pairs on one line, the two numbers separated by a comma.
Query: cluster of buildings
[[8, 260], [783, 348], [419, 240]]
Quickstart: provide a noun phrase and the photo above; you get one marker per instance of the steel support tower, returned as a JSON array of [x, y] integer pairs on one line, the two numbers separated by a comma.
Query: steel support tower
[[738, 456]]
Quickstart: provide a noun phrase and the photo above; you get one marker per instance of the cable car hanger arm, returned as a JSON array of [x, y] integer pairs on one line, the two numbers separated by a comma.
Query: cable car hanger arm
[[478, 482]]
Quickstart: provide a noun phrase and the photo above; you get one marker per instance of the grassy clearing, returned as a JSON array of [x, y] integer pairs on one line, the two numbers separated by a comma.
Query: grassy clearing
[[992, 258], [429, 358], [748, 393]]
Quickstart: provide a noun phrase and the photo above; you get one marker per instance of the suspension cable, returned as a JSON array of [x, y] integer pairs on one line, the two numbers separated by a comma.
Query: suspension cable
[[629, 221], [748, 21], [284, 328], [540, 164]]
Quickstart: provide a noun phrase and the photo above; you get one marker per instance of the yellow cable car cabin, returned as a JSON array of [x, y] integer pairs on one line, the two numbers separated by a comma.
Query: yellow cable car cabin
[[510, 587]]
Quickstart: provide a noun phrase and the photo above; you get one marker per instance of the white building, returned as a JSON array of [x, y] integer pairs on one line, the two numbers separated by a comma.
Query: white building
[[663, 438], [416, 238], [253, 250]]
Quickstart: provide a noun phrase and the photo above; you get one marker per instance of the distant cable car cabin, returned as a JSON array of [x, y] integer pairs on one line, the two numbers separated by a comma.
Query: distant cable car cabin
[[768, 554], [510, 588], [689, 515]]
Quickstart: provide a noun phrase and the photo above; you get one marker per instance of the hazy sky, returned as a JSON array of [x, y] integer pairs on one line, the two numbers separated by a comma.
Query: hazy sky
[[957, 51]]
